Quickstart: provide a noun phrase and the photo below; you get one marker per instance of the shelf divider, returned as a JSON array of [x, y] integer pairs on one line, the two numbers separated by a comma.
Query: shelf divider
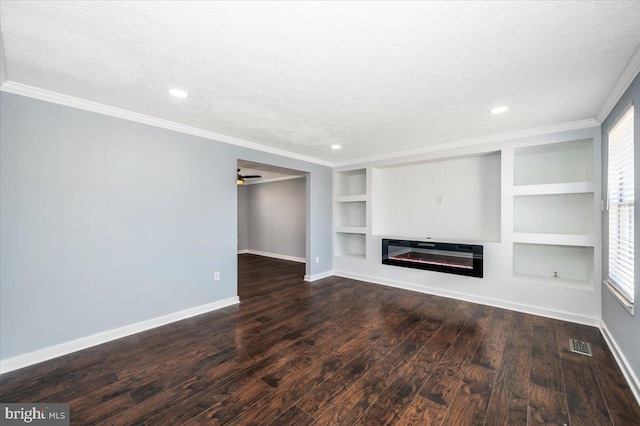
[[554, 239], [554, 188]]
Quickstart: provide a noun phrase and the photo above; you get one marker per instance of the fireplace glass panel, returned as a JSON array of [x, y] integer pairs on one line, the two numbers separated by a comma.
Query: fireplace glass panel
[[461, 259]]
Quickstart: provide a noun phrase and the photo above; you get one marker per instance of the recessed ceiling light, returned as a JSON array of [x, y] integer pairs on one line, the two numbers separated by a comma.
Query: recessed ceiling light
[[499, 110], [178, 93], [336, 146]]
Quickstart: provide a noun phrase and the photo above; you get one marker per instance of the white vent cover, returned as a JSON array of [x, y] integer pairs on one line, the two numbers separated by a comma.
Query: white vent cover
[[579, 347]]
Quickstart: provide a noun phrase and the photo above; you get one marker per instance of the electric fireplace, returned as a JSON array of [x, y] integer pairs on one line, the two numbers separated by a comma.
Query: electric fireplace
[[451, 258]]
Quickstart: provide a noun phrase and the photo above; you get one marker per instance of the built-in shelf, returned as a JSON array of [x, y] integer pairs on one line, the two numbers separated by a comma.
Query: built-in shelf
[[352, 182], [553, 239], [352, 256], [554, 214], [562, 282], [564, 162], [350, 214], [351, 245], [351, 229], [554, 264], [554, 188], [570, 214], [350, 198]]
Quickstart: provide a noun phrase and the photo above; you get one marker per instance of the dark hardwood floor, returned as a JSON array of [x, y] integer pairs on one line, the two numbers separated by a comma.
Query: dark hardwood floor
[[337, 352]]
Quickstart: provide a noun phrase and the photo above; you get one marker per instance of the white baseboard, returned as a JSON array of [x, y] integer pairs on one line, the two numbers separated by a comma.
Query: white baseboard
[[564, 316], [278, 256], [321, 275], [627, 371], [35, 357], [244, 251]]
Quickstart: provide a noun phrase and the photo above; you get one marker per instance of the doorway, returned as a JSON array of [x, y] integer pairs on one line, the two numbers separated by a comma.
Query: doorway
[[272, 203]]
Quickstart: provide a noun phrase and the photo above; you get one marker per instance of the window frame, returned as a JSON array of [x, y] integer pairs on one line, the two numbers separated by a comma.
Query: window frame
[[619, 291]]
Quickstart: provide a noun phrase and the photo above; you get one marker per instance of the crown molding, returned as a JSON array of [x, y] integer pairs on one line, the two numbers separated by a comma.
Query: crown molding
[[49, 96], [70, 101], [538, 131], [627, 75]]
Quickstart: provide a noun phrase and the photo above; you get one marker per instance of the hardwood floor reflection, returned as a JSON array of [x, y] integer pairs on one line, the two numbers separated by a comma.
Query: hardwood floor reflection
[[337, 352]]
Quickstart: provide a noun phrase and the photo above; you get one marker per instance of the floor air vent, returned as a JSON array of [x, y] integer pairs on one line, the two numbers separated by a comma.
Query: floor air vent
[[579, 347]]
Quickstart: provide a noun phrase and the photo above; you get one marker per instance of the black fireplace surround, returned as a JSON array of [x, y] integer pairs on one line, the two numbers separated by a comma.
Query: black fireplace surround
[[451, 258]]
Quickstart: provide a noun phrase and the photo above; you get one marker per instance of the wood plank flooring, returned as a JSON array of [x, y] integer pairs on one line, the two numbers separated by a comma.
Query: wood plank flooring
[[337, 352]]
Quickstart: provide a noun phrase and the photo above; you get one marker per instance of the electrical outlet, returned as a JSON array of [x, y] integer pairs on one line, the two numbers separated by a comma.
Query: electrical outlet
[[216, 276], [317, 259]]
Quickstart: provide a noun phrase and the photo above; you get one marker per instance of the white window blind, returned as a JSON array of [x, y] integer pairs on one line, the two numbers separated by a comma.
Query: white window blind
[[621, 200]]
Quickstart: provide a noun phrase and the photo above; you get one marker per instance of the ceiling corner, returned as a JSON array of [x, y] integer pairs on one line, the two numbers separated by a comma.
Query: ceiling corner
[[627, 75]]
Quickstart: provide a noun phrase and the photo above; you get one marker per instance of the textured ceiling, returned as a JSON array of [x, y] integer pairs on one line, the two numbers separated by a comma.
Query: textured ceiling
[[376, 78]]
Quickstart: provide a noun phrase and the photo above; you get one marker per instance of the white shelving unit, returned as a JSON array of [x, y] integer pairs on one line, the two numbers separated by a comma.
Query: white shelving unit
[[570, 266], [553, 213], [563, 213], [351, 245], [351, 183], [553, 239], [557, 188], [553, 164], [350, 213]]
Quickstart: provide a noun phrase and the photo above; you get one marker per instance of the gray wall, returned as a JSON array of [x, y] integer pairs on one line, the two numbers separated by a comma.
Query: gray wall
[[242, 218], [276, 217], [624, 327], [106, 222]]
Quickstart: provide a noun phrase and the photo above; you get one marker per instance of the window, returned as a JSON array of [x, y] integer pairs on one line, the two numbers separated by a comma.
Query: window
[[621, 202]]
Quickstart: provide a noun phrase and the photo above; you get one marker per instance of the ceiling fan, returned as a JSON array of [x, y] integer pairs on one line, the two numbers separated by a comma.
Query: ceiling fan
[[240, 179]]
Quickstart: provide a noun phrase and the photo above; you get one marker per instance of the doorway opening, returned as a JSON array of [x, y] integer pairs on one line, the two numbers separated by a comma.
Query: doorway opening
[[272, 215]]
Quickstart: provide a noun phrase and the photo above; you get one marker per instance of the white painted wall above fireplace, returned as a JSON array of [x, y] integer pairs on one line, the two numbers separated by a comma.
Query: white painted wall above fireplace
[[447, 199]]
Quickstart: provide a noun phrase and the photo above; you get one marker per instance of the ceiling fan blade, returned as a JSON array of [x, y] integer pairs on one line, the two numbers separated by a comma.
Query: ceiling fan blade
[[251, 176]]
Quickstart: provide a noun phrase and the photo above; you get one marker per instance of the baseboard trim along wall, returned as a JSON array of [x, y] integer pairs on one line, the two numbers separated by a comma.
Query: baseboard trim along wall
[[277, 256], [316, 277], [66, 348], [564, 316], [627, 371]]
